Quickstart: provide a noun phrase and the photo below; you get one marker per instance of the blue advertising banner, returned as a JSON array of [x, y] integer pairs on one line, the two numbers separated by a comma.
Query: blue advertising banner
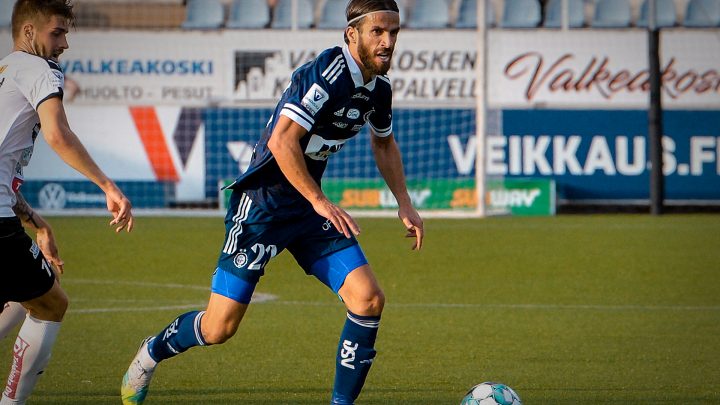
[[430, 141], [603, 155], [58, 195]]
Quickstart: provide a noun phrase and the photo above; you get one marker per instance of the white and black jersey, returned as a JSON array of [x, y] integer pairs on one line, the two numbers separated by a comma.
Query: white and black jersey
[[25, 82]]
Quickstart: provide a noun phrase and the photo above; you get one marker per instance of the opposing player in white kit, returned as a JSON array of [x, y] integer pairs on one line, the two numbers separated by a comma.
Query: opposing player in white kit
[[31, 91]]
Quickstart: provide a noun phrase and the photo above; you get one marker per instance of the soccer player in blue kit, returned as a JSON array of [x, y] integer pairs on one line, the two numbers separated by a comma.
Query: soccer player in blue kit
[[278, 204]]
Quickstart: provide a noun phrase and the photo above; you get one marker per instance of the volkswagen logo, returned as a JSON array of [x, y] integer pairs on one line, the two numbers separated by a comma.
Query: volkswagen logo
[[52, 197]]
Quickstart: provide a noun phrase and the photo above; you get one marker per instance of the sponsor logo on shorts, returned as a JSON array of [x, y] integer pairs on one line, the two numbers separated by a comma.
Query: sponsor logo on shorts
[[35, 250], [327, 225]]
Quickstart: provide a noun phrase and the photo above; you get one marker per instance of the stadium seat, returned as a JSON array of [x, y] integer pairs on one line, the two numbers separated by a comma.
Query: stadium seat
[[249, 14], [204, 14], [612, 14], [665, 15], [702, 13], [333, 14], [6, 8], [429, 14], [402, 8], [576, 14], [467, 14], [521, 14], [282, 14]]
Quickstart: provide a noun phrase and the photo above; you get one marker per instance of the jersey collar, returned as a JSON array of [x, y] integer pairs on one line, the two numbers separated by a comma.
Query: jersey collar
[[355, 72]]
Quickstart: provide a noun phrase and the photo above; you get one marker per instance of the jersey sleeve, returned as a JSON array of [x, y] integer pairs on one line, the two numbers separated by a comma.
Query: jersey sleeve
[[41, 83], [307, 95], [381, 119]]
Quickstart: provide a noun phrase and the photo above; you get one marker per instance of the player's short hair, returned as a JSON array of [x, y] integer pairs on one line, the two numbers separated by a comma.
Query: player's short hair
[[358, 8], [40, 11]]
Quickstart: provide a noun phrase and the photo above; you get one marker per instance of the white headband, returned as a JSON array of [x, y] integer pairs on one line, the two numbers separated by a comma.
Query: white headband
[[356, 19]]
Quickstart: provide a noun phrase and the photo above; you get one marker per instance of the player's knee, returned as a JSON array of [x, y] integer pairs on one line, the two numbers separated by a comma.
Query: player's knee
[[50, 307], [219, 335], [369, 304]]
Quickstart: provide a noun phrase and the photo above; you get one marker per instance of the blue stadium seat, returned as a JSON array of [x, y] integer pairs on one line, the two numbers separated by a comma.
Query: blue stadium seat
[[576, 14], [467, 14], [702, 13], [521, 14], [282, 14], [665, 15], [612, 14], [429, 14], [402, 8], [249, 14], [6, 8], [204, 14], [333, 14]]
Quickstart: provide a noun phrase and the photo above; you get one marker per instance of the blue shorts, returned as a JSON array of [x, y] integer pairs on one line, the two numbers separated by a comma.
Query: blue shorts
[[253, 237]]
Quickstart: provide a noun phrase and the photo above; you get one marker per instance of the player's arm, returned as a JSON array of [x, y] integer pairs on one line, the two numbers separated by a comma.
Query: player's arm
[[66, 144], [43, 232], [389, 163], [284, 144]]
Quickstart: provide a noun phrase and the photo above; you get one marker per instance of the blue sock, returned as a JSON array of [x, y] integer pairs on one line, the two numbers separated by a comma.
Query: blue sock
[[356, 351], [182, 334]]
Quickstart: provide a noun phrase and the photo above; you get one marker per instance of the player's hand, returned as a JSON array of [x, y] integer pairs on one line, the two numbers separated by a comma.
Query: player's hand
[[414, 225], [48, 247], [341, 220], [121, 210]]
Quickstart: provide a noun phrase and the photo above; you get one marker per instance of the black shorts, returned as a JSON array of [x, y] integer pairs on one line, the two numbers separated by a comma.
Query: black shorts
[[24, 272]]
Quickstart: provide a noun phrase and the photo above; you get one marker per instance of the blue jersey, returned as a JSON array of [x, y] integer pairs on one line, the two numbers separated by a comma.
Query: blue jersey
[[328, 97]]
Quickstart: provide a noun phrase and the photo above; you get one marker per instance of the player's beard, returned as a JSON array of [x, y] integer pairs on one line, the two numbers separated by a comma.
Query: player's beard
[[367, 58]]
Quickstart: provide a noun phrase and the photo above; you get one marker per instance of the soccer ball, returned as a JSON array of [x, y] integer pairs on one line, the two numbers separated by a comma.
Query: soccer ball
[[490, 393]]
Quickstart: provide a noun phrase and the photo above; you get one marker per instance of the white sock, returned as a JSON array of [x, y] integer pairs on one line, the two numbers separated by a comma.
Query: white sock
[[31, 354], [146, 361], [10, 317]]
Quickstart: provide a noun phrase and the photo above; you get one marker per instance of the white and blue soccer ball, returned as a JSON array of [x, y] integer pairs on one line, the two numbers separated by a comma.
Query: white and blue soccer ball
[[490, 393]]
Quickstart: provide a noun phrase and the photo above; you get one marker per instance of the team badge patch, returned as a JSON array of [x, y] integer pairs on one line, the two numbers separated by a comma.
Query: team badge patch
[[240, 259], [315, 98]]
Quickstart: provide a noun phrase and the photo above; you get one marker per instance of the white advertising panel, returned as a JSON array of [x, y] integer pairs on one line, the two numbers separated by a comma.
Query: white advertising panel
[[601, 69], [605, 69], [146, 144]]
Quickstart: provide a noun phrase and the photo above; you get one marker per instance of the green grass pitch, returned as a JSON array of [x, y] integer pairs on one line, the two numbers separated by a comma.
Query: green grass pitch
[[567, 310]]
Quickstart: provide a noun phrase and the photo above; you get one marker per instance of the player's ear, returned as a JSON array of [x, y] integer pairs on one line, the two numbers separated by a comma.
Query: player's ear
[[28, 30], [351, 34]]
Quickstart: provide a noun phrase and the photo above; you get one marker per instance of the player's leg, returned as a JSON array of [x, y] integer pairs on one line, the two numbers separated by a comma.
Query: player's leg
[[342, 266], [241, 263], [33, 284], [11, 315], [216, 324], [364, 301], [34, 343]]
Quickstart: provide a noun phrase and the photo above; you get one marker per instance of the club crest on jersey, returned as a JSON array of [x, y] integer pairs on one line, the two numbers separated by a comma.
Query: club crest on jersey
[[315, 98], [240, 259]]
